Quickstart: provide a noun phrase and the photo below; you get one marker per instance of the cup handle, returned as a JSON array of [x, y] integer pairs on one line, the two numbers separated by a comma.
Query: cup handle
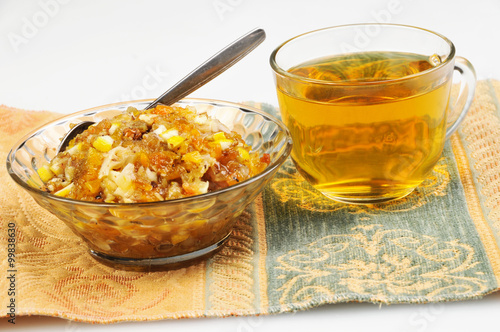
[[466, 94]]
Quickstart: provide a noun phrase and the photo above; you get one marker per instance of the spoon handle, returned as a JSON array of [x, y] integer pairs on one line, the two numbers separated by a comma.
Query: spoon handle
[[212, 67]]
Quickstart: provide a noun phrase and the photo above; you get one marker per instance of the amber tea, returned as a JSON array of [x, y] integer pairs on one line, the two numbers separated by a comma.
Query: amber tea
[[372, 129]]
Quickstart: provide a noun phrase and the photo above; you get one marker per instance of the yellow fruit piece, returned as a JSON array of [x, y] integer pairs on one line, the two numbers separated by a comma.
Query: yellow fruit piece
[[243, 154], [103, 143], [93, 186], [74, 148], [194, 157], [178, 238], [225, 143], [165, 135], [56, 169], [175, 141], [79, 225], [123, 179], [144, 159], [114, 126], [197, 224], [148, 118], [200, 119], [222, 140], [160, 130], [45, 173], [65, 191], [215, 150], [219, 136], [164, 228]]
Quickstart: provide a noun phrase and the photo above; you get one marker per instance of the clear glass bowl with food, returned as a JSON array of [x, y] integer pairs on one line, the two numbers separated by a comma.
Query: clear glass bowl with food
[[156, 189]]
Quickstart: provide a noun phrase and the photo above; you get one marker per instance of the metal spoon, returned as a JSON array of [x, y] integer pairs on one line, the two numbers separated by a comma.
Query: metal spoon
[[194, 80]]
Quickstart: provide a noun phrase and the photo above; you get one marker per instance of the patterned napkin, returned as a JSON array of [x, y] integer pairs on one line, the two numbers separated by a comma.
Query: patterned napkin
[[292, 248]]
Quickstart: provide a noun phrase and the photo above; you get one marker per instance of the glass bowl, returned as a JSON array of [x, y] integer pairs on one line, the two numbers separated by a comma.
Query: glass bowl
[[154, 234]]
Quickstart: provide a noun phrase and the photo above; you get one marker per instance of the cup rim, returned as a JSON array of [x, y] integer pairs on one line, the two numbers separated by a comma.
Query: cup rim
[[280, 71], [269, 169]]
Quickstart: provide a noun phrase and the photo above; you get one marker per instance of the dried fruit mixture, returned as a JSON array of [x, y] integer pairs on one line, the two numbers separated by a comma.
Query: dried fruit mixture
[[152, 155]]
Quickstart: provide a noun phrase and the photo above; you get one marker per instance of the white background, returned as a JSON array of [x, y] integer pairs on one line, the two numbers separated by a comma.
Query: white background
[[67, 56]]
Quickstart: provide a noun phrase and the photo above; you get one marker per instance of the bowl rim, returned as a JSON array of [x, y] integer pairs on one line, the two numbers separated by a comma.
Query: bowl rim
[[285, 152]]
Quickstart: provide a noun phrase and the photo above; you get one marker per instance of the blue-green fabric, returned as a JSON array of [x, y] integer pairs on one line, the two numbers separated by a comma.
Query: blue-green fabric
[[425, 247]]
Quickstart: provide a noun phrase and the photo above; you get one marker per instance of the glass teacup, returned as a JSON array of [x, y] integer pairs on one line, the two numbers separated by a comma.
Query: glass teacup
[[368, 106]]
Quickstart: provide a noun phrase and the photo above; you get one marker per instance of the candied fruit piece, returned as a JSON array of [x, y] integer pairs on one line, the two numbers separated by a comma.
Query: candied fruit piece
[[93, 186], [144, 159], [194, 157], [175, 141], [244, 154], [167, 134], [219, 136], [196, 224], [178, 238], [45, 173], [114, 126], [56, 169], [103, 143], [225, 144], [65, 191]]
